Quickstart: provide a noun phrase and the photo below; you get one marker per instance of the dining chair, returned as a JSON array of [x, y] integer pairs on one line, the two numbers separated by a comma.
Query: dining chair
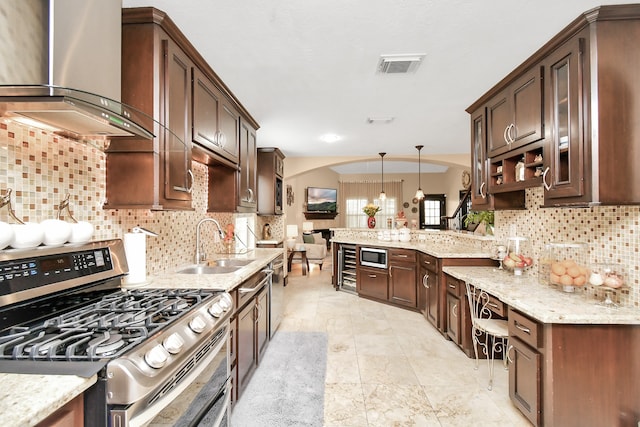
[[494, 331]]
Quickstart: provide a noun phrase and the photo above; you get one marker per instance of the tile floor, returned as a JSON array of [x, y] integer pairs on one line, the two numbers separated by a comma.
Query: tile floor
[[388, 366]]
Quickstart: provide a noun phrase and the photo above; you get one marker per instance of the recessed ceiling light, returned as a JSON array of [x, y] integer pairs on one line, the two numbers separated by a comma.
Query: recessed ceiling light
[[330, 138], [372, 120]]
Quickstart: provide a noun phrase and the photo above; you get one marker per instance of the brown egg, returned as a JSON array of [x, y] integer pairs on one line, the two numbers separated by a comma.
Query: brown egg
[[557, 268], [568, 263], [554, 278], [573, 271], [584, 271], [565, 279], [580, 280]]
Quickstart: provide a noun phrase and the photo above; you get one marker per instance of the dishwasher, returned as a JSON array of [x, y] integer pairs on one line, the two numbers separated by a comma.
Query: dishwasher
[[276, 296]]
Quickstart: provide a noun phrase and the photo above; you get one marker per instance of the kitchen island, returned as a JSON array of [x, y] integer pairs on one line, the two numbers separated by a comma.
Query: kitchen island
[[572, 360], [28, 399]]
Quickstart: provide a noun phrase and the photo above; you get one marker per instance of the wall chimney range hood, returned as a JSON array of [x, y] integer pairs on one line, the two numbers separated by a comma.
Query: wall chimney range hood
[[62, 70]]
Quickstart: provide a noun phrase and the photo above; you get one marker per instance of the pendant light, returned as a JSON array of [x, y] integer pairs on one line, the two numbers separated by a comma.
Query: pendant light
[[382, 195], [419, 194]]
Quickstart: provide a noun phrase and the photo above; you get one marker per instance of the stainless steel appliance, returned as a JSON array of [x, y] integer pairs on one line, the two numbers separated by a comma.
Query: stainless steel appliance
[[373, 257], [277, 294], [62, 311], [346, 280]]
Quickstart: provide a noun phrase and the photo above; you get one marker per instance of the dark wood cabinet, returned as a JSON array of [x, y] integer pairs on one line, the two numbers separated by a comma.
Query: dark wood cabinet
[[372, 282], [515, 115], [270, 176], [215, 122], [156, 79], [70, 415], [247, 356], [247, 197], [454, 308], [429, 285], [525, 371], [403, 277]]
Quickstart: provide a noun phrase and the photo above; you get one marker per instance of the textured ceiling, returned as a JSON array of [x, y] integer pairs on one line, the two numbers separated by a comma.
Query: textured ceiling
[[305, 68]]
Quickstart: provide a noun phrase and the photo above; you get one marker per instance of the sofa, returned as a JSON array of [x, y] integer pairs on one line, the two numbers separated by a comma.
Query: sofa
[[316, 251]]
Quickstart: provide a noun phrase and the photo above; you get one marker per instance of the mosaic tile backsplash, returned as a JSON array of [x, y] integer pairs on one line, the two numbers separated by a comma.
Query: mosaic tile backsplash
[[42, 168]]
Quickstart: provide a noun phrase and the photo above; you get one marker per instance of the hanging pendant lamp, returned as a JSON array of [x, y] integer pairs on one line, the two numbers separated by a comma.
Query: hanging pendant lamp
[[382, 195], [419, 194]]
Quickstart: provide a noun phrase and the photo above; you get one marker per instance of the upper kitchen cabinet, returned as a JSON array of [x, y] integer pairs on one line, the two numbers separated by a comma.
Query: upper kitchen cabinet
[[593, 88], [481, 197], [588, 153], [215, 121], [270, 175], [515, 114], [156, 79], [248, 197]]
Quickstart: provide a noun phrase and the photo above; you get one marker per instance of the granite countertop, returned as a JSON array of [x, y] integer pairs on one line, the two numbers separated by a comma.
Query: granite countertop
[[545, 303], [28, 399], [225, 281], [438, 250]]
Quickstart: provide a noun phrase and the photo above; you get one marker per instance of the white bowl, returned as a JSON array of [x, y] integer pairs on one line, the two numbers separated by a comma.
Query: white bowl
[[27, 236], [6, 234], [81, 232], [56, 232]]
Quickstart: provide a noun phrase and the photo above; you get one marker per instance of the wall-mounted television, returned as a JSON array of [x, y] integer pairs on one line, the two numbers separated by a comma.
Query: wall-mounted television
[[322, 199]]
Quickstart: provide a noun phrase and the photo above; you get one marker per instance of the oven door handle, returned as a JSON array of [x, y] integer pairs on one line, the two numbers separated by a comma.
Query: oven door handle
[[259, 285]]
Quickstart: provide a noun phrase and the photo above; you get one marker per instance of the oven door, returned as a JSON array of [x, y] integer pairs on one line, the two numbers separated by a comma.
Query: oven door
[[200, 395]]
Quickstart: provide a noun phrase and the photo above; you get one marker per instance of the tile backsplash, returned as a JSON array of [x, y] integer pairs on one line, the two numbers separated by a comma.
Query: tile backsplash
[[42, 168]]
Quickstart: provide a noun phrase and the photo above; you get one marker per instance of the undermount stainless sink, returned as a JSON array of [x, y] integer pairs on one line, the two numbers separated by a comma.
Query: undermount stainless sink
[[205, 269], [230, 262]]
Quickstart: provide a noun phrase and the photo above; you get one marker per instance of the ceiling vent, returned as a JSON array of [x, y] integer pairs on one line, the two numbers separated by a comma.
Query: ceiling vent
[[399, 64]]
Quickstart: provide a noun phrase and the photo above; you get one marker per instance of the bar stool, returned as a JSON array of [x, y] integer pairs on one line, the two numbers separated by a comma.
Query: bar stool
[[495, 331]]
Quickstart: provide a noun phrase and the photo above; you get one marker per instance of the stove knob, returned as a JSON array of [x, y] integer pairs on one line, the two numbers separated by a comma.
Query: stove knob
[[226, 302], [173, 343], [197, 325], [156, 357], [216, 309]]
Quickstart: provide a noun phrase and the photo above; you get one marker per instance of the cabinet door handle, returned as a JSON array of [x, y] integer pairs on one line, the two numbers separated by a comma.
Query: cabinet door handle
[[372, 276], [544, 179], [452, 286], [522, 328], [425, 280], [390, 273], [427, 262], [508, 354], [250, 198], [492, 304], [504, 134], [193, 180], [482, 193], [401, 256], [454, 310], [512, 133]]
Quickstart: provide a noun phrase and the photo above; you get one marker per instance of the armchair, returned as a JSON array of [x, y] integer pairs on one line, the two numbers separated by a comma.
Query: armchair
[[316, 251]]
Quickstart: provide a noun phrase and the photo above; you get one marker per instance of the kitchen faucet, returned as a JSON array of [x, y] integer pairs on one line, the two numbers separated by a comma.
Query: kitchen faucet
[[200, 255]]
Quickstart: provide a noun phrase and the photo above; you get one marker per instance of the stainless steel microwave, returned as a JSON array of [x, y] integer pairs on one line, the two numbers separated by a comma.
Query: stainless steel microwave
[[373, 257]]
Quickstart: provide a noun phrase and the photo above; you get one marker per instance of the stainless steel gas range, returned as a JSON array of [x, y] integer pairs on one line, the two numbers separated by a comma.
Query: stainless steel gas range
[[62, 311]]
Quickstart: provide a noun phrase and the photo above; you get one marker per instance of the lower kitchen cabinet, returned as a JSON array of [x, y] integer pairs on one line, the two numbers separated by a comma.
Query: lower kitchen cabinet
[[526, 369], [70, 415], [455, 308], [430, 286], [372, 282], [250, 329], [402, 277]]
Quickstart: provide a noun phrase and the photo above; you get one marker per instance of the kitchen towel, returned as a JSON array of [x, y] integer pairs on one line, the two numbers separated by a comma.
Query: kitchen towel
[[135, 248]]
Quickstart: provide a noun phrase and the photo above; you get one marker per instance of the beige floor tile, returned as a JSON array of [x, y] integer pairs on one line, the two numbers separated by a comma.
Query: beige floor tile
[[388, 366], [398, 405]]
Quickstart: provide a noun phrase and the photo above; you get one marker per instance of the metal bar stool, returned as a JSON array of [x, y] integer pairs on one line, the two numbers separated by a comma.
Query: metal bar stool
[[495, 331]]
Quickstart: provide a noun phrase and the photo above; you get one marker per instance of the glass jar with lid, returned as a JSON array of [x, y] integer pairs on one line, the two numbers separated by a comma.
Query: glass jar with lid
[[519, 256], [565, 265]]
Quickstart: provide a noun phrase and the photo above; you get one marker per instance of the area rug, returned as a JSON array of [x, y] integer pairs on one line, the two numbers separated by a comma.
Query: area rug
[[287, 389]]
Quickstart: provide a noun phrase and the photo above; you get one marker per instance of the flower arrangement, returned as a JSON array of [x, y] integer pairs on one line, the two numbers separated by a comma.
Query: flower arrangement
[[371, 209]]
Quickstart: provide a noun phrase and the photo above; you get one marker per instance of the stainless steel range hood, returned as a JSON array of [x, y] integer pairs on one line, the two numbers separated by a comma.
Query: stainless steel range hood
[[62, 68]]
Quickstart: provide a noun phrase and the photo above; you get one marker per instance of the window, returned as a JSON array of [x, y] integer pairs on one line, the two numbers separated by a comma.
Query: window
[[432, 208], [355, 218]]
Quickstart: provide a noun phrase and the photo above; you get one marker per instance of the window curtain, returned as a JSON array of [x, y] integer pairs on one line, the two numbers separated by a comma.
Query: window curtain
[[354, 195]]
